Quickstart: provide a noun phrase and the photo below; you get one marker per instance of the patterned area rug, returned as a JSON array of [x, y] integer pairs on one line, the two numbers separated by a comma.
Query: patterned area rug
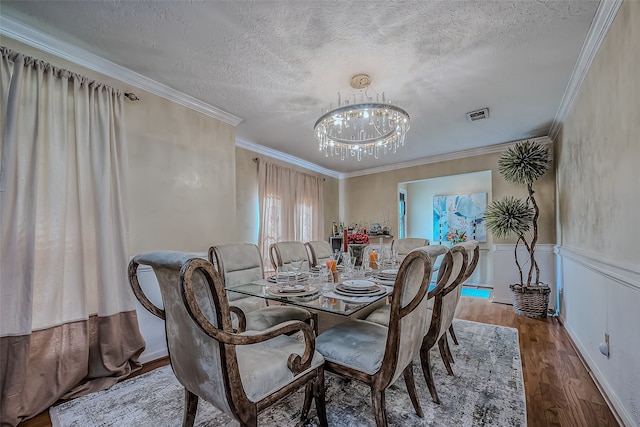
[[487, 390]]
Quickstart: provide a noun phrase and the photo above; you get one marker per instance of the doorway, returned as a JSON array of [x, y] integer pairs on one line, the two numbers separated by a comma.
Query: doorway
[[402, 213]]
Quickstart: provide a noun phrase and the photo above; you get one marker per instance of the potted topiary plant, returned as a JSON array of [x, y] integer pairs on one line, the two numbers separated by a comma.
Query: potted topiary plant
[[522, 164]]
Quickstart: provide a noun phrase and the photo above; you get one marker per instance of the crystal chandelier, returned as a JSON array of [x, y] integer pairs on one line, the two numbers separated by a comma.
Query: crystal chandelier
[[364, 128]]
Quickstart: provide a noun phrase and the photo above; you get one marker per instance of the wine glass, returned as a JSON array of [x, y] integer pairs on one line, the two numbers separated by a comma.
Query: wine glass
[[296, 265]]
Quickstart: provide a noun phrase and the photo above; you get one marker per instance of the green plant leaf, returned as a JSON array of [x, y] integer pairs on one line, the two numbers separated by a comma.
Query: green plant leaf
[[524, 163], [509, 216]]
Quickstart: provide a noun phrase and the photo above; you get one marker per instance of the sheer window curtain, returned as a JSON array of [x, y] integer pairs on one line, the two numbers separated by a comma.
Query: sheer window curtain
[[291, 206], [68, 323]]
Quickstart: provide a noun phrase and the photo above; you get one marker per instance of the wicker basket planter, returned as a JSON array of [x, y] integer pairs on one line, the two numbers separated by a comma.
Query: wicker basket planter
[[531, 301]]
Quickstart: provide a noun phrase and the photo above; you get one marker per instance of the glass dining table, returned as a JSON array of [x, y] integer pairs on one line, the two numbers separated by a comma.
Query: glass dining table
[[316, 299]]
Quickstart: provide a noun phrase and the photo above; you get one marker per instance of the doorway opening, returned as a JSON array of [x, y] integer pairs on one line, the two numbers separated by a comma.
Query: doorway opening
[[402, 213]]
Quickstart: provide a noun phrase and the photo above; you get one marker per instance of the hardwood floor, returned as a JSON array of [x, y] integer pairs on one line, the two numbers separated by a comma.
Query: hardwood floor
[[558, 388]]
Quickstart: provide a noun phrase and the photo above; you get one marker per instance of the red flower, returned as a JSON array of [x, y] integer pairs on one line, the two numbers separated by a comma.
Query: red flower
[[358, 238]]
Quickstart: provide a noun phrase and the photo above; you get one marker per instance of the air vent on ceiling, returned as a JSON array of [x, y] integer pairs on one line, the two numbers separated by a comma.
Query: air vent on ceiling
[[478, 115]]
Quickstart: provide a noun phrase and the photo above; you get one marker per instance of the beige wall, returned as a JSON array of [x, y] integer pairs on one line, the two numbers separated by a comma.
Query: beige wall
[[181, 170], [599, 150], [598, 154], [370, 197], [247, 195]]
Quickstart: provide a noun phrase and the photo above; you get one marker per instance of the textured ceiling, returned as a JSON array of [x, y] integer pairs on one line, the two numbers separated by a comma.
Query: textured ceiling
[[276, 64]]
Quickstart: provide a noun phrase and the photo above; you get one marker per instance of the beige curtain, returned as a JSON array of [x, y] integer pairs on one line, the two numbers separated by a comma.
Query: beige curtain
[[67, 317], [291, 206]]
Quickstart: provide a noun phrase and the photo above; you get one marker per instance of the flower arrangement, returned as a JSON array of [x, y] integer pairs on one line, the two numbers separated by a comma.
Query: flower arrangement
[[456, 236], [358, 238]]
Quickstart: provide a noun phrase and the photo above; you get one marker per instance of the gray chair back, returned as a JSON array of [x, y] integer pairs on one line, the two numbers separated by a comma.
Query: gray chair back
[[282, 253], [451, 273], [407, 244], [408, 314], [319, 252], [196, 359], [237, 263]]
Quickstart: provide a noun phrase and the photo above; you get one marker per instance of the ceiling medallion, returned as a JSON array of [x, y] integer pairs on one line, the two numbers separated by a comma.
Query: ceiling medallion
[[361, 128]]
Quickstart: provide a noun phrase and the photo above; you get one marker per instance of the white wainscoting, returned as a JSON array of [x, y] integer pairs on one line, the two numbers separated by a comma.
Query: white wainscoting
[[598, 296], [505, 271], [151, 327]]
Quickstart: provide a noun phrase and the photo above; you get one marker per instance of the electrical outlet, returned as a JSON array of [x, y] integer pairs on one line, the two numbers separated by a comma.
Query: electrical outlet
[[604, 346]]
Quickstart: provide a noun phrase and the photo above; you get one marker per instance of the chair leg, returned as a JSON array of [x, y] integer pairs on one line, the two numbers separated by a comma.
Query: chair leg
[[308, 397], [426, 371], [453, 334], [443, 354], [411, 388], [448, 349], [190, 408], [321, 407], [379, 407]]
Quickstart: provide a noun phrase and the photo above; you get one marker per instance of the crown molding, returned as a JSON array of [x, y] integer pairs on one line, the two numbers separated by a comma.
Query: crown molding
[[497, 148], [66, 51], [606, 13], [279, 155]]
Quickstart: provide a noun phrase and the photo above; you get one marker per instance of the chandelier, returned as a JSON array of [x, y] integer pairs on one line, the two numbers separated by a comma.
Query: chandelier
[[364, 128]]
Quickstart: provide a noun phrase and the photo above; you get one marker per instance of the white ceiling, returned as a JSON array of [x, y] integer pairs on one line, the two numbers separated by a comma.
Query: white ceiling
[[276, 64]]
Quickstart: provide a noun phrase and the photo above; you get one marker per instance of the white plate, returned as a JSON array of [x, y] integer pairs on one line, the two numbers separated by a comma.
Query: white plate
[[379, 291], [393, 272], [358, 284]]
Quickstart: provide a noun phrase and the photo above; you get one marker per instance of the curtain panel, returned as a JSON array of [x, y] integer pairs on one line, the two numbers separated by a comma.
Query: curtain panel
[[291, 207], [68, 323]]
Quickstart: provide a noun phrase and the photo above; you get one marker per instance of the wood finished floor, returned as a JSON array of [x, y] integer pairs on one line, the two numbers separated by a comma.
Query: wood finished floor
[[558, 388]]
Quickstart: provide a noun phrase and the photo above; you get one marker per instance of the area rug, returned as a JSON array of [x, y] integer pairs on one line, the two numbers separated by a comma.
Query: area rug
[[487, 390]]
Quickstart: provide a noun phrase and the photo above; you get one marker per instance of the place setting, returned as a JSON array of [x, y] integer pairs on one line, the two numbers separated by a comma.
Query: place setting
[[385, 276], [291, 283], [359, 288], [358, 291]]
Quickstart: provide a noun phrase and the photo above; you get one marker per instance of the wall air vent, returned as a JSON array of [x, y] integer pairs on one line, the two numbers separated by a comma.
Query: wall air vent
[[478, 115]]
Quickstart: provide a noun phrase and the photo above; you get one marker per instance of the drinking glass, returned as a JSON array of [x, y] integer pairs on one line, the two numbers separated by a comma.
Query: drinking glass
[[296, 265], [346, 261], [327, 280], [282, 276]]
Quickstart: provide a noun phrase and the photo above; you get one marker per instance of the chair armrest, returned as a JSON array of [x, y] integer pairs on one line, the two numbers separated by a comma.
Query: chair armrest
[[242, 319], [295, 362], [139, 293]]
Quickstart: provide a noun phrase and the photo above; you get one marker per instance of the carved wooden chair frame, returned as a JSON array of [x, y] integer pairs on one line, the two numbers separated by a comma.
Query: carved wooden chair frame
[[471, 267], [435, 333], [379, 381], [244, 410]]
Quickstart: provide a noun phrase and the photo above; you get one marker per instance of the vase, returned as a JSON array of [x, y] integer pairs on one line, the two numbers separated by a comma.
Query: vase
[[355, 250]]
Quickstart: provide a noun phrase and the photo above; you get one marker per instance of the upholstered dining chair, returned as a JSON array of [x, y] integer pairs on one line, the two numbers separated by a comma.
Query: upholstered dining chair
[[283, 253], [241, 374], [382, 314], [445, 301], [473, 255], [319, 252], [378, 355], [449, 277], [405, 245], [240, 263]]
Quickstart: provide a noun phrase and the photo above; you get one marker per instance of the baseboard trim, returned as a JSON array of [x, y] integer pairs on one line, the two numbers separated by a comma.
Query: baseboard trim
[[150, 357], [610, 402]]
